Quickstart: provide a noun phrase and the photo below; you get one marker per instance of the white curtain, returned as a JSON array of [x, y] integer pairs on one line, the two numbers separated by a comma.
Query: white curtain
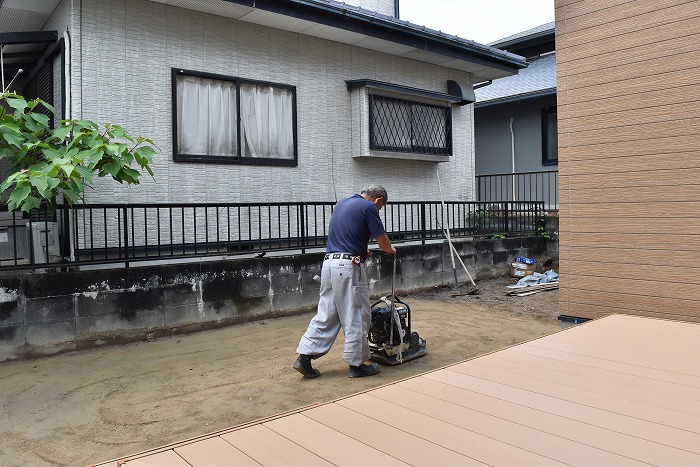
[[206, 117], [266, 122]]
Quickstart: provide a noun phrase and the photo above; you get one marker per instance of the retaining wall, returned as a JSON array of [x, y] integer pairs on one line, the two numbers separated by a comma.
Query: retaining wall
[[45, 314]]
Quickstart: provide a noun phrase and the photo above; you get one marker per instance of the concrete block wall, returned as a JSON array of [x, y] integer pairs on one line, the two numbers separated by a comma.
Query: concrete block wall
[[46, 314]]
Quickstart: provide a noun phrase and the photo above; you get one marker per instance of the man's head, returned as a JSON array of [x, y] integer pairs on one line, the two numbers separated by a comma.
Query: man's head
[[375, 193]]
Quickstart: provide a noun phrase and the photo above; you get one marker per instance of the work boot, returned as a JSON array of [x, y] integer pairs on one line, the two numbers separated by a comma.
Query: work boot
[[303, 366], [363, 370]]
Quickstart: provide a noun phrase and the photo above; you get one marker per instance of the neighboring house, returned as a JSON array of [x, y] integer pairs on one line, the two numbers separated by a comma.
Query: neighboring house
[[515, 124], [272, 100], [629, 151]]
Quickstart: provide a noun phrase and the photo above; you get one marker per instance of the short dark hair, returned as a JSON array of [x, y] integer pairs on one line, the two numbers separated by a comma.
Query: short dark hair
[[375, 191]]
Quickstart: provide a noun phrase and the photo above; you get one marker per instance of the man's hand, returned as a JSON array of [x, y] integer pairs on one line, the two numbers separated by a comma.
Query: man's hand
[[385, 244]]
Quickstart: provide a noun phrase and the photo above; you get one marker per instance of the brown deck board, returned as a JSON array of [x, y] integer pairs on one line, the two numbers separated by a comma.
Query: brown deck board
[[332, 445], [643, 429], [214, 452], [605, 384], [617, 403], [169, 458], [269, 448], [621, 390], [557, 449], [550, 422], [660, 375], [472, 444], [598, 372], [404, 445]]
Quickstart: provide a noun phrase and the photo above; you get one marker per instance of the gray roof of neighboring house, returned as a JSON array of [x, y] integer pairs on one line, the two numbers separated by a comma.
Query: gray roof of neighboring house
[[538, 79], [536, 31]]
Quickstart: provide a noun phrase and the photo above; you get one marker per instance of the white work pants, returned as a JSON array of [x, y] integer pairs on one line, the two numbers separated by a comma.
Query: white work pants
[[343, 302]]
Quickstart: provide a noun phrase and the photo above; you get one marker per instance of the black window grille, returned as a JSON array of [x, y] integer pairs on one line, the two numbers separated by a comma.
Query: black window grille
[[41, 87], [405, 126]]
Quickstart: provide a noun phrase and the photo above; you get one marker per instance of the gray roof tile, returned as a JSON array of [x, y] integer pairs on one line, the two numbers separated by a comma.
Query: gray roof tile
[[540, 76]]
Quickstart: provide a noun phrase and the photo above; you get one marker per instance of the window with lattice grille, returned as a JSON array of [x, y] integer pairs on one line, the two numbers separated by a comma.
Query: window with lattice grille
[[406, 126]]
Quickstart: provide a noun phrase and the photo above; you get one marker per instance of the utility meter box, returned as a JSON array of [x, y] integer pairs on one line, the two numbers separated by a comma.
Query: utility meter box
[[45, 244]]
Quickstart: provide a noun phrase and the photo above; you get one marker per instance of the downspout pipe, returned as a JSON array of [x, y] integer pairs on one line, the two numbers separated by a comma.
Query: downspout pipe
[[512, 155]]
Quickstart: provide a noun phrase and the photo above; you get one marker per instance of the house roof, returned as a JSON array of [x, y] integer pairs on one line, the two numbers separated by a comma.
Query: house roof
[[539, 79], [349, 24], [544, 31], [326, 19]]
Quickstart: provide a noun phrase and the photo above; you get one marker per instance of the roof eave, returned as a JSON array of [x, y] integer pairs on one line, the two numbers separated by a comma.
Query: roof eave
[[516, 98], [361, 21]]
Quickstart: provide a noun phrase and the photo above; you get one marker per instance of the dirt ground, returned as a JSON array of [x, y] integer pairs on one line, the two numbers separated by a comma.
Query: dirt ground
[[92, 406]]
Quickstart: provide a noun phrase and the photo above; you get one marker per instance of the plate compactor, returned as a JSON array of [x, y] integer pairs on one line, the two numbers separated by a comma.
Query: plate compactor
[[391, 338]]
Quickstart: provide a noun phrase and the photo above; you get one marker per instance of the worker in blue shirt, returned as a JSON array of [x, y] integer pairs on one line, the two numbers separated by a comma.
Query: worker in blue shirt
[[344, 297]]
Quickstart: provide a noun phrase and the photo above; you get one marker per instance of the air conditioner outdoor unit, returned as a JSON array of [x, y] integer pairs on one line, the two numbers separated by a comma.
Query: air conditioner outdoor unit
[[45, 245]]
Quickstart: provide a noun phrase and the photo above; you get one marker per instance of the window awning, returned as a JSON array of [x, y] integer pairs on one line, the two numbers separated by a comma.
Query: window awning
[[456, 92]]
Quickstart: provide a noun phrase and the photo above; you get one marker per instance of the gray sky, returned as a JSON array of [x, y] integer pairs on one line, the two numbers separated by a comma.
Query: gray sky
[[482, 21]]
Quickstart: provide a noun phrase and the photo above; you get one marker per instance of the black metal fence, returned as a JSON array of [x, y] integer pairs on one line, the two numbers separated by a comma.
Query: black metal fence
[[91, 234], [541, 186]]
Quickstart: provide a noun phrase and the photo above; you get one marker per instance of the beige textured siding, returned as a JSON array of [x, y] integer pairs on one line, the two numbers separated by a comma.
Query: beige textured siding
[[124, 50], [628, 76]]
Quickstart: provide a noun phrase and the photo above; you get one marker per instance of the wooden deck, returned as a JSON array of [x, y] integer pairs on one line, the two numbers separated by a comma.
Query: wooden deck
[[620, 390]]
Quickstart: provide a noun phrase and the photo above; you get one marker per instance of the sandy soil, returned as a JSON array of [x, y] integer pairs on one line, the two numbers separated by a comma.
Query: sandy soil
[[92, 406]]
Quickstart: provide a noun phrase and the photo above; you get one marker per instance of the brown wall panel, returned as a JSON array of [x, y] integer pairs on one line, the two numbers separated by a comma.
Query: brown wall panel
[[579, 104], [623, 164], [633, 133], [588, 176], [639, 241], [599, 301], [623, 21], [639, 76], [654, 143], [675, 71], [622, 301], [669, 225], [596, 57], [667, 279], [672, 107], [636, 194], [628, 75], [600, 310], [576, 8], [624, 256]]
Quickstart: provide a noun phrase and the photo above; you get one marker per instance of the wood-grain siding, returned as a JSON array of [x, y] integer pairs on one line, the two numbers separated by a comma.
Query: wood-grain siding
[[629, 157]]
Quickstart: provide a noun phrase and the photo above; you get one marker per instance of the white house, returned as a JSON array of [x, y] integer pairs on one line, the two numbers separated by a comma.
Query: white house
[[265, 100]]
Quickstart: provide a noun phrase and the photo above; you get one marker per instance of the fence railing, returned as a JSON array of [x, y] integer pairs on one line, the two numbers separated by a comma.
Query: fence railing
[[540, 186], [92, 234]]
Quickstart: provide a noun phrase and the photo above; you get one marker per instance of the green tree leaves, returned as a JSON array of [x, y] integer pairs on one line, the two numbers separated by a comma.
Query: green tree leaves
[[49, 163]]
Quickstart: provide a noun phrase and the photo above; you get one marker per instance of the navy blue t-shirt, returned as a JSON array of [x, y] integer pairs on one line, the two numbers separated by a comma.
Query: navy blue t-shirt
[[353, 222]]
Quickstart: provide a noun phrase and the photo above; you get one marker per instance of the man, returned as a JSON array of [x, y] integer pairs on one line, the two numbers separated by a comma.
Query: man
[[344, 297]]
